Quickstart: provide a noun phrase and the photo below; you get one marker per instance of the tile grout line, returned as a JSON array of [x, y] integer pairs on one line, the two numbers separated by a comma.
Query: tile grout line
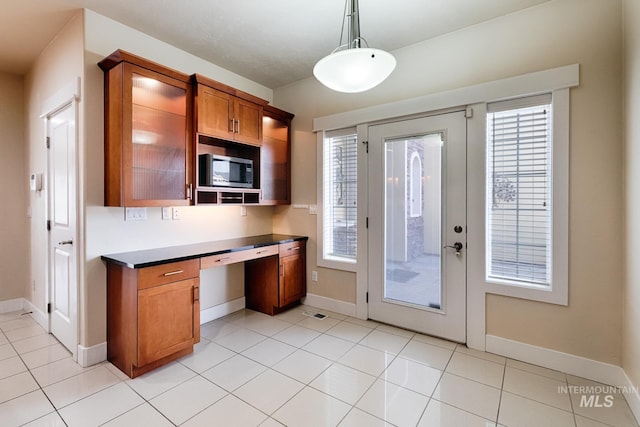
[[40, 388]]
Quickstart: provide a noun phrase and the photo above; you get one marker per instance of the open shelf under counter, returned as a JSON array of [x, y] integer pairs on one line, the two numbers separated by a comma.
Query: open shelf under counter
[[227, 196]]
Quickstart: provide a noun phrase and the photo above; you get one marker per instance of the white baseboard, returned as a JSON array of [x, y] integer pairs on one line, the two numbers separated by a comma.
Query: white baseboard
[[632, 396], [341, 307], [11, 305], [88, 356], [221, 310], [24, 304], [39, 316], [593, 370]]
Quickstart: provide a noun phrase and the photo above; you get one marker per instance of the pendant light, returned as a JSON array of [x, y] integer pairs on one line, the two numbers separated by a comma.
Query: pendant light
[[350, 67]]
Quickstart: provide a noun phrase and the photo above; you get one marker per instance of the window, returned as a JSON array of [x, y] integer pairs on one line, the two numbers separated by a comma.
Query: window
[[519, 191], [339, 196]]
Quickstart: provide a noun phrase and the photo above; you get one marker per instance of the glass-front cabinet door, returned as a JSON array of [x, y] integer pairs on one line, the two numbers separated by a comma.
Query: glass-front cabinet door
[[147, 138]]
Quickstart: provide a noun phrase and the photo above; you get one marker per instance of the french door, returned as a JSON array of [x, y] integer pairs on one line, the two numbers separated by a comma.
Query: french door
[[417, 224]]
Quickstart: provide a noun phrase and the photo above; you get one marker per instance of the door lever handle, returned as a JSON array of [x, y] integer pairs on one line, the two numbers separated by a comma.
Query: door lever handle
[[457, 246], [65, 242]]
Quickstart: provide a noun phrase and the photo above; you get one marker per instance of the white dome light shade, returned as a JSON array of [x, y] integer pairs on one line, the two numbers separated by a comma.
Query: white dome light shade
[[354, 70]]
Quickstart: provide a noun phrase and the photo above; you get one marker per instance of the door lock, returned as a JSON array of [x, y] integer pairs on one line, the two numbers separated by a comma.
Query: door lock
[[457, 246]]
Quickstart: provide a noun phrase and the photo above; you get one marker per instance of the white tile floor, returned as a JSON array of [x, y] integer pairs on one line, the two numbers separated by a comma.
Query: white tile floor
[[292, 370]]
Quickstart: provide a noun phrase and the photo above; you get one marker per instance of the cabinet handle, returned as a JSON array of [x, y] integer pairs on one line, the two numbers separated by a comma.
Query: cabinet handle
[[196, 294], [297, 248], [223, 259], [238, 121], [232, 125], [282, 270], [171, 273]]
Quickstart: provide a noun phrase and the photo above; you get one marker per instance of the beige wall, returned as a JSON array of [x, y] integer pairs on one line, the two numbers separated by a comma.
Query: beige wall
[[631, 296], [106, 230], [57, 66], [556, 33], [14, 229]]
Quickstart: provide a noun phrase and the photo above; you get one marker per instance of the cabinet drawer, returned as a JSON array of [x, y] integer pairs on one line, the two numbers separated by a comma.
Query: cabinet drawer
[[238, 256], [168, 273], [292, 248]]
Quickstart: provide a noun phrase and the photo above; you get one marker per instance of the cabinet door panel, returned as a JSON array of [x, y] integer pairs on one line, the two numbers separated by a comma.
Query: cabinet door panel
[[292, 279], [165, 320], [215, 113], [249, 122]]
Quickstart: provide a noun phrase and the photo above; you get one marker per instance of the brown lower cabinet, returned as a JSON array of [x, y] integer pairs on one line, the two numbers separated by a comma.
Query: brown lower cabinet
[[153, 314], [275, 283]]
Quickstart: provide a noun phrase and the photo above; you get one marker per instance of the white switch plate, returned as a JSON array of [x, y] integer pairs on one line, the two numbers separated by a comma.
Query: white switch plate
[[313, 209], [177, 213], [243, 211], [135, 214], [314, 276], [167, 213]]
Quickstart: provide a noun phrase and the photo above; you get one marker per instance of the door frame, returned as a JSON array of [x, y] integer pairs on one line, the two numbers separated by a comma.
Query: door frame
[[67, 95], [454, 122]]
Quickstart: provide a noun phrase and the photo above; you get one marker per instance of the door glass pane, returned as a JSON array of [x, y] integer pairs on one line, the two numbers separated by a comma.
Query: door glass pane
[[159, 131], [413, 242]]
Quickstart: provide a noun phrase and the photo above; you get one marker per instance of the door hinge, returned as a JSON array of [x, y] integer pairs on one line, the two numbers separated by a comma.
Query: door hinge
[[366, 144], [468, 113], [367, 297], [48, 225], [48, 307], [48, 142]]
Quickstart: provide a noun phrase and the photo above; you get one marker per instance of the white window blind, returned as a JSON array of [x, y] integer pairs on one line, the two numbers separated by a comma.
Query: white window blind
[[340, 197], [518, 207]]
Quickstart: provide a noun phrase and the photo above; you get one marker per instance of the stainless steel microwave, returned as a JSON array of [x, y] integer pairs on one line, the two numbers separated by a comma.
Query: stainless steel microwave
[[224, 171]]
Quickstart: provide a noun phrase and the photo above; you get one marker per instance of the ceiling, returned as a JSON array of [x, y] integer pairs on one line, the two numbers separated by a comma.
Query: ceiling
[[272, 42]]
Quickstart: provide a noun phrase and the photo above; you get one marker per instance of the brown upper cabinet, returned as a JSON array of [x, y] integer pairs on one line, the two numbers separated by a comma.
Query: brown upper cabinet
[[158, 122], [275, 155], [148, 133], [227, 113]]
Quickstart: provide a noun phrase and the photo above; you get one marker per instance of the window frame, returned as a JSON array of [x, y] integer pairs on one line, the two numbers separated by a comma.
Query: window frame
[[323, 260], [557, 290]]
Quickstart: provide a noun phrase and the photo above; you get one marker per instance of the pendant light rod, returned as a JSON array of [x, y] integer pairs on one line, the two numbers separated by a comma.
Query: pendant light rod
[[354, 33]]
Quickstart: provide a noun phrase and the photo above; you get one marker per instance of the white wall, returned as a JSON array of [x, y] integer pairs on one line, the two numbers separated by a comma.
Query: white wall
[[553, 34], [14, 229], [631, 296], [57, 66]]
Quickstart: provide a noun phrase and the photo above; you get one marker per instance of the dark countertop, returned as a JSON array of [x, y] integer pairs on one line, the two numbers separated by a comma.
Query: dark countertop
[[151, 257]]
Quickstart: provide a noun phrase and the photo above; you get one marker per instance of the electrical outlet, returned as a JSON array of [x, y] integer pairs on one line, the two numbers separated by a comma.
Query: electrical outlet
[[167, 213], [314, 276], [177, 213], [243, 211]]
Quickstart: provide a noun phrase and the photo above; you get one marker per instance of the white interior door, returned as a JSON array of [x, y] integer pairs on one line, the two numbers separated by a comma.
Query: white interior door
[[417, 217], [63, 278]]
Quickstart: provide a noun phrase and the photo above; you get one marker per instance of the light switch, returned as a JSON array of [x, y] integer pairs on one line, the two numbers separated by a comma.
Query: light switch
[[167, 213]]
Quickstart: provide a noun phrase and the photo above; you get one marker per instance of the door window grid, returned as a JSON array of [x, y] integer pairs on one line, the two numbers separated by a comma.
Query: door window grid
[[519, 195]]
